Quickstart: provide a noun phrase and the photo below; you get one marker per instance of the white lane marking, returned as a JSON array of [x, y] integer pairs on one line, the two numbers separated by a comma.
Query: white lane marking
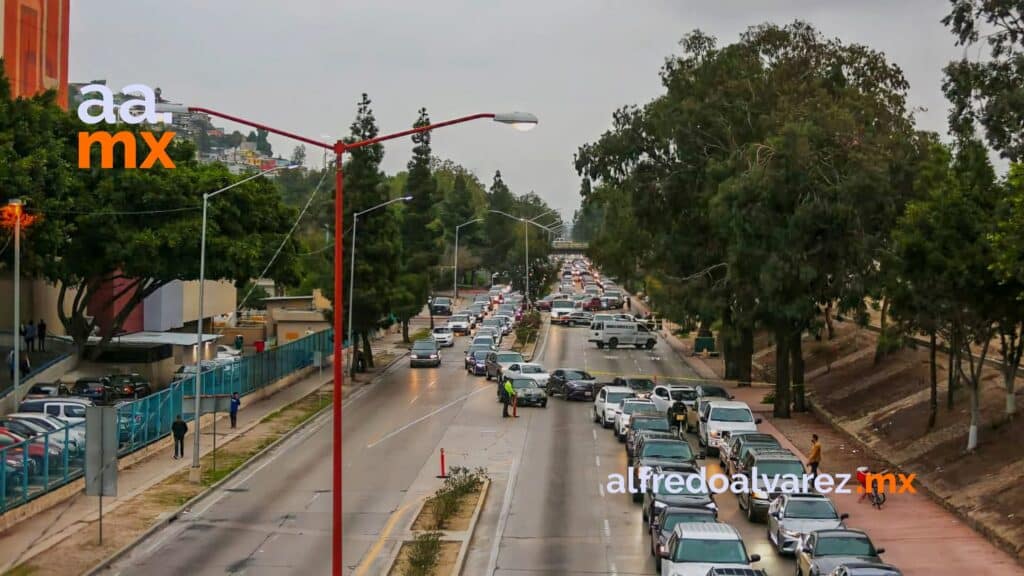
[[597, 461], [594, 432], [542, 345], [607, 529], [432, 382], [424, 417], [600, 488], [414, 399], [506, 508]]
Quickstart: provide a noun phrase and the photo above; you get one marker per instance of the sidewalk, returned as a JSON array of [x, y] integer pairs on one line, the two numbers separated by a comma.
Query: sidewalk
[[38, 533]]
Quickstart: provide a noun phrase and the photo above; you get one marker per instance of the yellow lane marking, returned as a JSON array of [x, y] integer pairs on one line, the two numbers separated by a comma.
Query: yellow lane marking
[[663, 377], [364, 566]]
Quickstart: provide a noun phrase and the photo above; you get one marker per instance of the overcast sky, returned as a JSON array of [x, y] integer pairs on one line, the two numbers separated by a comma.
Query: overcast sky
[[301, 65]]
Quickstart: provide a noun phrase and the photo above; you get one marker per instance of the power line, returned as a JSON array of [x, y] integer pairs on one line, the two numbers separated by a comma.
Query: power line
[[114, 212]]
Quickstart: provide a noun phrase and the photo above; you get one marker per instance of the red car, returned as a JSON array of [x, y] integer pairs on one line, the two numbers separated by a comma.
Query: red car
[[592, 305], [37, 451]]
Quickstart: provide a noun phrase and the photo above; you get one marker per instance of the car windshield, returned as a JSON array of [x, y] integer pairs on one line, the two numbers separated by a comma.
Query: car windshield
[[562, 304], [74, 410], [690, 517], [480, 355], [633, 407], [843, 546], [577, 375], [459, 318], [683, 395], [423, 345], [442, 330], [616, 397], [714, 391], [672, 449], [779, 468], [485, 340], [658, 424], [817, 509], [443, 301], [531, 369], [511, 357], [711, 552], [731, 415], [520, 383]]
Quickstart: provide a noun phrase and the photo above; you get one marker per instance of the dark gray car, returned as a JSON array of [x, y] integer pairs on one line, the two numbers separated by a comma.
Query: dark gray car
[[825, 550]]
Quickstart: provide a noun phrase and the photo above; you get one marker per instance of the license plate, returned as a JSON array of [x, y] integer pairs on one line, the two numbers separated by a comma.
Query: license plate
[[588, 394], [680, 417]]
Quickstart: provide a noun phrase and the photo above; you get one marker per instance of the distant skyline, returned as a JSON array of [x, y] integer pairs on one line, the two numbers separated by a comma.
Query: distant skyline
[[302, 66]]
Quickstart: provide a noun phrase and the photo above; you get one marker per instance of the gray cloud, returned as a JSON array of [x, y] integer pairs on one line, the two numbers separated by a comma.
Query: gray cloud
[[301, 65]]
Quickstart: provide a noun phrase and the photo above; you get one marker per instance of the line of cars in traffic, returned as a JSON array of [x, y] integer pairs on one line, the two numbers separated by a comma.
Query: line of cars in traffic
[[652, 421]]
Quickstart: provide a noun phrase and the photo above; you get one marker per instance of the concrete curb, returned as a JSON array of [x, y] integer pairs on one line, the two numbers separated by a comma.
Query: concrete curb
[[991, 535], [464, 549], [170, 518]]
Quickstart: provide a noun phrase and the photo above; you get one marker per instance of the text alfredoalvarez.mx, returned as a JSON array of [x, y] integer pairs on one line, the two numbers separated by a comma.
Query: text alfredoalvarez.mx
[[135, 111]]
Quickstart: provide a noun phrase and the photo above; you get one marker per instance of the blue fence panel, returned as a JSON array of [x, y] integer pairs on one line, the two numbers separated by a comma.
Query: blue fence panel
[[32, 468]]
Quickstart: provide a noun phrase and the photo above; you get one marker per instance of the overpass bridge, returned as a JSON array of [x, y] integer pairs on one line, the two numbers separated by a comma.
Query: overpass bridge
[[568, 247]]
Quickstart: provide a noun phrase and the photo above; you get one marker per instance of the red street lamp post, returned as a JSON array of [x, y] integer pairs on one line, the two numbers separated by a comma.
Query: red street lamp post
[[521, 121]]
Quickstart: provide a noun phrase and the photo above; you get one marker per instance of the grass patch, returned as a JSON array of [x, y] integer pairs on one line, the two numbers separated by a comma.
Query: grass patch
[[23, 570], [420, 334]]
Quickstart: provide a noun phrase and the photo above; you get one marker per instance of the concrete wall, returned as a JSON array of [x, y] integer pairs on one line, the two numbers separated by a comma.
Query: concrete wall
[[250, 334], [162, 310], [288, 330], [218, 298], [45, 298], [7, 300]]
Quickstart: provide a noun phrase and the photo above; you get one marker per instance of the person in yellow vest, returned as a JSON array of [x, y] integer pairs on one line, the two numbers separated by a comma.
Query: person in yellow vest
[[507, 398]]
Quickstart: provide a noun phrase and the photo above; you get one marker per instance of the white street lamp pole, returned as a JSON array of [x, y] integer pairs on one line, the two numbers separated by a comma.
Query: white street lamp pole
[[455, 272], [195, 473], [352, 258]]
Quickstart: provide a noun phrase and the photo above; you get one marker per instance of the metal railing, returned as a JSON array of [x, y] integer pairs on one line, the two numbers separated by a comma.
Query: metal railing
[[35, 466]]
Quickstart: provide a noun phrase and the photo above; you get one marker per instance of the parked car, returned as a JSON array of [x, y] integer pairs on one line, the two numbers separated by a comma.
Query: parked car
[[705, 393], [572, 383], [822, 551], [37, 451], [484, 340], [441, 306], [771, 463], [675, 489], [865, 569], [95, 388], [57, 428], [444, 336], [607, 400], [722, 416], [642, 386], [497, 362], [695, 549], [476, 361], [655, 450], [424, 353], [132, 385], [664, 523], [47, 390], [625, 410], [578, 318], [733, 448], [531, 370], [39, 434], [528, 393], [643, 423], [70, 410], [459, 323], [791, 517], [228, 350], [507, 323], [592, 304]]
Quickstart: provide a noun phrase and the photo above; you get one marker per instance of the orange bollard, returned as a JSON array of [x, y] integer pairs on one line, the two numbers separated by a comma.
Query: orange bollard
[[443, 473], [515, 405]]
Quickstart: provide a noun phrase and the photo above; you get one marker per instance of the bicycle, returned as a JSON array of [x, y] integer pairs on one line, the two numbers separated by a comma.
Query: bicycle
[[876, 497]]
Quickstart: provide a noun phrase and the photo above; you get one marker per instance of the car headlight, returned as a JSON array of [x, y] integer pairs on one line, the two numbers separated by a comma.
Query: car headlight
[[790, 534], [758, 495], [658, 504], [715, 434], [433, 356]]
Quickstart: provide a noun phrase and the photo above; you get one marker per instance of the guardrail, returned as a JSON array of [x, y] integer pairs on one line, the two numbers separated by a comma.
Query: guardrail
[[33, 467]]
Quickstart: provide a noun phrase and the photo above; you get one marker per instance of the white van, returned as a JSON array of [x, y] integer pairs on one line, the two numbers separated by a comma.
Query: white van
[[612, 333], [561, 308]]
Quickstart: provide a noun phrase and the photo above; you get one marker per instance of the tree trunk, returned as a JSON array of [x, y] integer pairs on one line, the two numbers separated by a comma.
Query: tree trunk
[[1010, 346], [883, 335], [933, 399], [727, 340], [797, 368], [745, 356], [367, 350], [782, 340], [953, 378], [405, 330], [353, 364], [972, 432], [829, 328]]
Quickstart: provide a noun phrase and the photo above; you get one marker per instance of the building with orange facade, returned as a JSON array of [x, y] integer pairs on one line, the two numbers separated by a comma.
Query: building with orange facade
[[34, 38]]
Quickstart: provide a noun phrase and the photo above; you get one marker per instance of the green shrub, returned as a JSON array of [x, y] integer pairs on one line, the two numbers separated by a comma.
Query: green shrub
[[423, 554], [446, 501], [769, 398]]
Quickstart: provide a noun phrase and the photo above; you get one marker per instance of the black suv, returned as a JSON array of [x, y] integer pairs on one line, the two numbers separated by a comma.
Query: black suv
[[130, 385], [441, 306], [773, 463], [572, 383]]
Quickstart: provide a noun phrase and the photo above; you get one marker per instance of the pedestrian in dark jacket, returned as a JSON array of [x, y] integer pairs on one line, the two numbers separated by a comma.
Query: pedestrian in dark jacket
[[42, 335], [30, 336], [178, 429], [26, 365], [236, 402]]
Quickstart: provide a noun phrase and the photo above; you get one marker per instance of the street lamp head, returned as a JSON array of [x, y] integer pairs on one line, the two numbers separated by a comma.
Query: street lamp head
[[521, 121], [406, 198]]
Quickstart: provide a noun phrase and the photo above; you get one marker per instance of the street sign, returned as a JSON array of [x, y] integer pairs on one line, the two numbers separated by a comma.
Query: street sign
[[101, 438], [318, 358]]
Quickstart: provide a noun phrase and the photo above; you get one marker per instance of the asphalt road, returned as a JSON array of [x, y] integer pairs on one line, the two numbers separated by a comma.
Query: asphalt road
[[562, 520], [275, 519]]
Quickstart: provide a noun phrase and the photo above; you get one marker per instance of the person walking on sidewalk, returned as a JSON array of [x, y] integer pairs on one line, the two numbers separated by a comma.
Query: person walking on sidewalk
[[507, 393], [233, 411], [41, 329], [30, 336], [627, 303], [814, 458], [10, 363], [178, 429]]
